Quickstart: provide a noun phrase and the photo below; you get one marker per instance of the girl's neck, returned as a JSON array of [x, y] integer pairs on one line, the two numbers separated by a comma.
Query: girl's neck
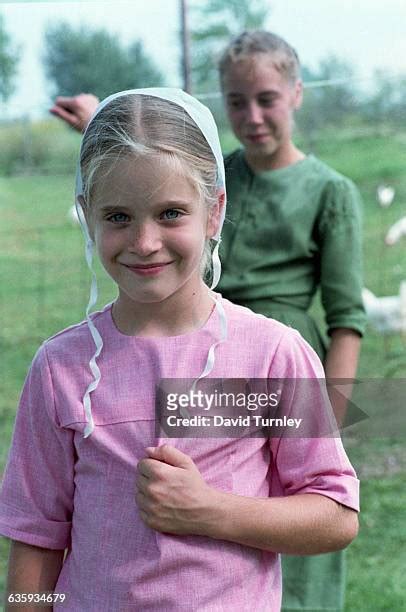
[[174, 316]]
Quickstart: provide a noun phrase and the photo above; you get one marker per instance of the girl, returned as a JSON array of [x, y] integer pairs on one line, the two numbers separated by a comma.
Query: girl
[[99, 508]]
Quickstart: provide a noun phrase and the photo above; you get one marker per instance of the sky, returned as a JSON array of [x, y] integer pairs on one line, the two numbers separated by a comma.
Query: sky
[[369, 34]]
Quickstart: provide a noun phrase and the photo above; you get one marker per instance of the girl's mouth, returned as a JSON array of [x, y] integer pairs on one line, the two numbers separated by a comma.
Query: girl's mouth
[[148, 269]]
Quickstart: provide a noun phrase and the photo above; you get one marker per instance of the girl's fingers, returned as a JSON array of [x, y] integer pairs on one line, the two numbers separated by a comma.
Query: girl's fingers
[[141, 482], [141, 501], [145, 467], [170, 455]]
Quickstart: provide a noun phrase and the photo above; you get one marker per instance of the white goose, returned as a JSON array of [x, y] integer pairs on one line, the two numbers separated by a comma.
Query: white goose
[[386, 314]]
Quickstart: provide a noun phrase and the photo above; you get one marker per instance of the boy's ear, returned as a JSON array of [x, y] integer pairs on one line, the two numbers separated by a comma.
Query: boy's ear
[[215, 214], [298, 95]]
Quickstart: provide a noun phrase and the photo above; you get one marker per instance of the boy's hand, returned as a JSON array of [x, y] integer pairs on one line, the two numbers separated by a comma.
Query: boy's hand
[[172, 496], [76, 110]]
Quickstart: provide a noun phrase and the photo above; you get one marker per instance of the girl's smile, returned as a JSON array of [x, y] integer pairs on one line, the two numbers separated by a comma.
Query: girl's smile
[[148, 269]]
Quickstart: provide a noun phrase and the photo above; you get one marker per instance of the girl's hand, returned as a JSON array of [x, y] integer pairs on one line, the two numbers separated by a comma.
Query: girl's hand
[[173, 498], [171, 495]]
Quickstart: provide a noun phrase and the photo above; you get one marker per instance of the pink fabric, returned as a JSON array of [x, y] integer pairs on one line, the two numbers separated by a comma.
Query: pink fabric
[[61, 490]]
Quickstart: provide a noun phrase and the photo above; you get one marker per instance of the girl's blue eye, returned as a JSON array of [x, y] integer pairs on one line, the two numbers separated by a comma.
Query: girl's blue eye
[[171, 214], [118, 218]]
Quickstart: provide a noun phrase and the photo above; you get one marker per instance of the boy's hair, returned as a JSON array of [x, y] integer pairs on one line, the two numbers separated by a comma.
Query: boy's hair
[[147, 126], [284, 57]]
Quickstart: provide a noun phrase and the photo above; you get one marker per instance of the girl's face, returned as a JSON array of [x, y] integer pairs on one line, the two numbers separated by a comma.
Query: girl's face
[[150, 230], [260, 103]]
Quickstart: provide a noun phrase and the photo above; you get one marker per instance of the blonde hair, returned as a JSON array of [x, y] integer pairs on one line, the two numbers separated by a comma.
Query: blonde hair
[[140, 126], [285, 58]]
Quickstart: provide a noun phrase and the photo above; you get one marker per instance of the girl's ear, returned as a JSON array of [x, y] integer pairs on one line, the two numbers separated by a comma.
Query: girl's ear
[[216, 214], [82, 203], [85, 211]]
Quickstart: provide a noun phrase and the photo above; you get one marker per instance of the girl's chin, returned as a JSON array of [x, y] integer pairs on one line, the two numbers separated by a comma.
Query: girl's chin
[[181, 297]]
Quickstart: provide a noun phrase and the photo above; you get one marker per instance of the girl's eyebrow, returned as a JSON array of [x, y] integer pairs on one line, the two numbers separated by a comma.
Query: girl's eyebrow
[[112, 207], [175, 203], [169, 203]]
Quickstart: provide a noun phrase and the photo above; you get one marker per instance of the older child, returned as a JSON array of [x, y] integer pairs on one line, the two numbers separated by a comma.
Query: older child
[[295, 228], [147, 525]]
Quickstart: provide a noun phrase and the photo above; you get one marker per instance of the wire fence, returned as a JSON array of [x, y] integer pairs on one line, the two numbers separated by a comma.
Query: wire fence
[[36, 142], [44, 280]]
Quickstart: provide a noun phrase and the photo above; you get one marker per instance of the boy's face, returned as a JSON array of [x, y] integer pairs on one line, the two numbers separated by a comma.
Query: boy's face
[[150, 229], [260, 104]]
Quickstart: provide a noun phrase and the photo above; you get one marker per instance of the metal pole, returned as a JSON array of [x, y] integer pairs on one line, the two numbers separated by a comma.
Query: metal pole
[[185, 40]]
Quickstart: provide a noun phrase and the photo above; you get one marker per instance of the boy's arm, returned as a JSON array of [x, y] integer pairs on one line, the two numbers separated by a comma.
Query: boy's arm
[[341, 365], [32, 570], [173, 497], [342, 356]]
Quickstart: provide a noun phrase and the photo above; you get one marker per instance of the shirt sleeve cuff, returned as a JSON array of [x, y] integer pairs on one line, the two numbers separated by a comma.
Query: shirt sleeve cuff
[[34, 530], [344, 491], [357, 325]]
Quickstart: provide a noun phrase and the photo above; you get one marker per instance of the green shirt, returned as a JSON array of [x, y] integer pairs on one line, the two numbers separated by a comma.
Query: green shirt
[[287, 232]]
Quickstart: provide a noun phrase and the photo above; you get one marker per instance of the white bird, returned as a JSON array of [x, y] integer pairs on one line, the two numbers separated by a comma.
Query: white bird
[[386, 314], [385, 195], [396, 232]]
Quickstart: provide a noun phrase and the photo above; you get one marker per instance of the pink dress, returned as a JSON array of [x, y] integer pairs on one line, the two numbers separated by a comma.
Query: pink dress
[[63, 491]]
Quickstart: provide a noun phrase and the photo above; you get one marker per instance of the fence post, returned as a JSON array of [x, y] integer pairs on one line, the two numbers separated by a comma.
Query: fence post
[[28, 160]]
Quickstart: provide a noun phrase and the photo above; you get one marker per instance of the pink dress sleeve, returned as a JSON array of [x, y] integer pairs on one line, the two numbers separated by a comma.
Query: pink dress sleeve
[[316, 463], [36, 499]]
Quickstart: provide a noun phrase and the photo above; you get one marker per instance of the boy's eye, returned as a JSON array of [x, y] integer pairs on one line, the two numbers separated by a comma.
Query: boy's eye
[[171, 214], [118, 218], [266, 102], [236, 104]]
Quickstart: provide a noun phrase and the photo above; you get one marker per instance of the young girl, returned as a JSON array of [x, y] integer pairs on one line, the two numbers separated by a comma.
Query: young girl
[[101, 509]]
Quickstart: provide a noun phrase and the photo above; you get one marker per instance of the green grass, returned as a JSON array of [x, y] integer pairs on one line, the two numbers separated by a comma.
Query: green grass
[[45, 288], [47, 146], [377, 558]]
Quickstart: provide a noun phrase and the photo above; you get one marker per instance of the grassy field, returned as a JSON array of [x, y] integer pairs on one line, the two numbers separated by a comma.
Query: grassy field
[[44, 288]]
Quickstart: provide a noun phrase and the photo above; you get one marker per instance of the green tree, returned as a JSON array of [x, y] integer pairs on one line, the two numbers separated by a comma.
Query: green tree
[[9, 57], [84, 60], [222, 20], [334, 98], [387, 103]]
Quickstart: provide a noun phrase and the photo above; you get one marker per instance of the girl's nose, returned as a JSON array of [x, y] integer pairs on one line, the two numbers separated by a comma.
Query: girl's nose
[[144, 240]]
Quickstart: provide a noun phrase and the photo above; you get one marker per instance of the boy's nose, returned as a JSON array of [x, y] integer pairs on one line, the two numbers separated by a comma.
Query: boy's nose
[[254, 114], [145, 239]]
